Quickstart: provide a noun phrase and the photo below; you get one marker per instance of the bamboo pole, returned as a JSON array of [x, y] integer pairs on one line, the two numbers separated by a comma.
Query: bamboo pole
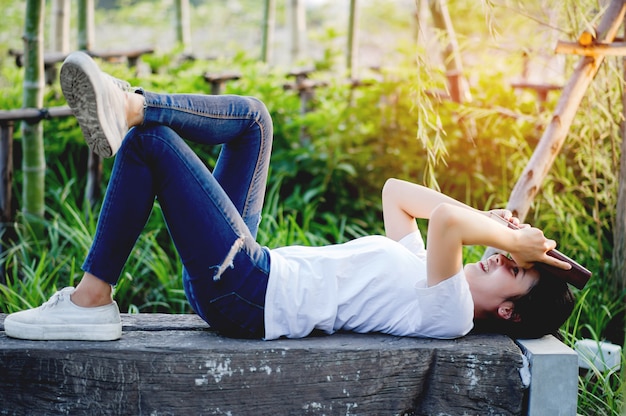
[[34, 115], [86, 23], [552, 140], [451, 55], [33, 162], [352, 39], [269, 21], [7, 232], [60, 37], [298, 29], [183, 25], [595, 49]]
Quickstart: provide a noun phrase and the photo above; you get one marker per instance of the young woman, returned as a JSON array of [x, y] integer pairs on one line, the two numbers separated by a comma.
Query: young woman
[[388, 284]]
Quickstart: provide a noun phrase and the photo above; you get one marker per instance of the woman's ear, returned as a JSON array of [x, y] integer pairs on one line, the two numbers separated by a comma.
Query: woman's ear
[[506, 311]]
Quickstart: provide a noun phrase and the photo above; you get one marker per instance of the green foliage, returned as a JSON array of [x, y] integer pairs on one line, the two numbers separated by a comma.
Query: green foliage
[[330, 161], [596, 310]]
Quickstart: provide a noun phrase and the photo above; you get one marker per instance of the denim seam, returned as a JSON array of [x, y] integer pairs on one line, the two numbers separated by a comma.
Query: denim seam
[[257, 167], [246, 116], [233, 293]]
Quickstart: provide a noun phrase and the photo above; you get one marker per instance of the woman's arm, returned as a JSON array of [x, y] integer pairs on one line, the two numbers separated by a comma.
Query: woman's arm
[[451, 227], [454, 224], [404, 201]]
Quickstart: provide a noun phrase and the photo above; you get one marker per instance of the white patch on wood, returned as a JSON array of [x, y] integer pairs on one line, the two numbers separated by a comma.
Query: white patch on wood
[[218, 369], [202, 381]]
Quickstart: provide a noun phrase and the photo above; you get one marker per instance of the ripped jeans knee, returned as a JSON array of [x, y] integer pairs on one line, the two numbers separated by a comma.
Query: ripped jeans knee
[[230, 296], [228, 261]]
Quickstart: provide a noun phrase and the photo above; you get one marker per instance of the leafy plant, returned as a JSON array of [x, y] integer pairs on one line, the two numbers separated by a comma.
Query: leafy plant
[[330, 161]]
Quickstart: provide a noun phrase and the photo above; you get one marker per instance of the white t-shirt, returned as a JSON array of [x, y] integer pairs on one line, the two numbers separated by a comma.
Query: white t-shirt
[[370, 284]]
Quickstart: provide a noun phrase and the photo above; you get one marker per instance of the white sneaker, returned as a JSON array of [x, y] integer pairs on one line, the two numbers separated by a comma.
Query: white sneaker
[[60, 319], [98, 102]]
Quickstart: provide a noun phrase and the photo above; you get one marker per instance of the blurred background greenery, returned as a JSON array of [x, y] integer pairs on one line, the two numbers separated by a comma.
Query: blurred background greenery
[[330, 162]]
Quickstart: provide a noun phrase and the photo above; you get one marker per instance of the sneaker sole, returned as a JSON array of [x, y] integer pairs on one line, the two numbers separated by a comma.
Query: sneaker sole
[[79, 78], [103, 332]]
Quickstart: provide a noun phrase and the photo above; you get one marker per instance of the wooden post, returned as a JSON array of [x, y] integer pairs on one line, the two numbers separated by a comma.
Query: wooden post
[[183, 25], [33, 163], [451, 57], [60, 38], [6, 172], [604, 49], [352, 39], [59, 35], [298, 29], [218, 81], [269, 21], [552, 140], [93, 191], [86, 25], [6, 187]]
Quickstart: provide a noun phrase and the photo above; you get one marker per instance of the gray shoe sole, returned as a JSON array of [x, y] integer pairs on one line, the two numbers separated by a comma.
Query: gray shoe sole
[[80, 81]]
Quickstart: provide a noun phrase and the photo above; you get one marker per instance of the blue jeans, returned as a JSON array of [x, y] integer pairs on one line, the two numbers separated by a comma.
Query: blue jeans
[[212, 217]]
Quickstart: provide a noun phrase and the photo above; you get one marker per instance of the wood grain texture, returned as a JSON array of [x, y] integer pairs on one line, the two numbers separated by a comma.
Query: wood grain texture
[[175, 365]]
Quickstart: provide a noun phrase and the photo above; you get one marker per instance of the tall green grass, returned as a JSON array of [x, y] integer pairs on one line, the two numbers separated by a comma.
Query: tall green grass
[[329, 164], [151, 280], [600, 390], [325, 188]]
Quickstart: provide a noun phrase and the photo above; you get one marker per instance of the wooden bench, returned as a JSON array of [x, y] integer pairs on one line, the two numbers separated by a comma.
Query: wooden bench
[[218, 80], [541, 90], [51, 59], [174, 364], [304, 86]]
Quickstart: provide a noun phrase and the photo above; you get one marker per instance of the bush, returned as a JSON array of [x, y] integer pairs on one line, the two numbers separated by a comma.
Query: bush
[[329, 164]]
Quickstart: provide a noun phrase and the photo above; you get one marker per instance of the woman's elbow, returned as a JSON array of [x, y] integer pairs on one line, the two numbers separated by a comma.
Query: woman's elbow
[[445, 215], [389, 188]]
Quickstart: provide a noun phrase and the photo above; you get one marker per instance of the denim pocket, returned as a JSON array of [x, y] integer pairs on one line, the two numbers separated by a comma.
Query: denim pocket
[[235, 316]]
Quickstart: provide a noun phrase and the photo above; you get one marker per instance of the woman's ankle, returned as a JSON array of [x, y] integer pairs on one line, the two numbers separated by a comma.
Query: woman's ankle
[[135, 108], [92, 292]]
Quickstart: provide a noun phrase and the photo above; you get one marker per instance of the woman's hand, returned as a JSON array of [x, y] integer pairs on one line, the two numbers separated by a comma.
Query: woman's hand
[[505, 217], [532, 246]]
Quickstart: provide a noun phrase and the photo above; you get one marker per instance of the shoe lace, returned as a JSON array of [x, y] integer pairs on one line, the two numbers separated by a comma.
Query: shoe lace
[[121, 84], [57, 297]]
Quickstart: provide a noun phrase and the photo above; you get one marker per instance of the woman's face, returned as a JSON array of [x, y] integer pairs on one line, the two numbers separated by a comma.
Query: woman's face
[[499, 278]]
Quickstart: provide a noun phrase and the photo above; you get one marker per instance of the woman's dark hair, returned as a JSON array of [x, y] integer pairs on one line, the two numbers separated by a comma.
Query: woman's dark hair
[[540, 312]]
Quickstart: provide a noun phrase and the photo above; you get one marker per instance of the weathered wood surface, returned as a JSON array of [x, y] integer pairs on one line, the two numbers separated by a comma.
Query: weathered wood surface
[[173, 364]]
